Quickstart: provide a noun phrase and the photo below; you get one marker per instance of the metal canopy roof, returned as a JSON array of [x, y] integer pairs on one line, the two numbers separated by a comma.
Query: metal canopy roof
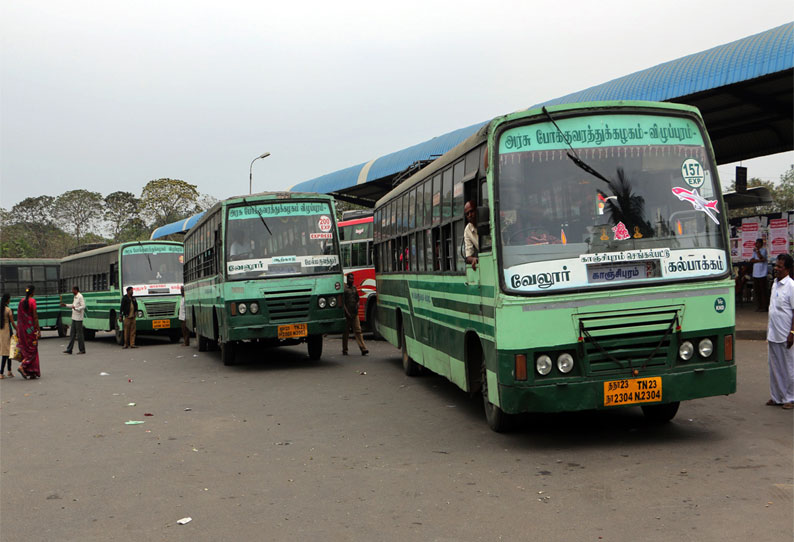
[[744, 89], [176, 227]]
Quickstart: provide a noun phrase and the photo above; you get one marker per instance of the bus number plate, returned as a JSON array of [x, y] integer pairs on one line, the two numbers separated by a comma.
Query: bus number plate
[[161, 324], [632, 391], [292, 330]]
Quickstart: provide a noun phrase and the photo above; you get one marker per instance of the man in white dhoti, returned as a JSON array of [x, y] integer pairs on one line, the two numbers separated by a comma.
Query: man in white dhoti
[[780, 335]]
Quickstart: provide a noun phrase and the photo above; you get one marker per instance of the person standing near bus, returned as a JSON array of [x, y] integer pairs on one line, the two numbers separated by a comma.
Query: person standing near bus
[[760, 272], [129, 307], [6, 332], [78, 312], [28, 335], [350, 304], [471, 240], [780, 335], [183, 318]]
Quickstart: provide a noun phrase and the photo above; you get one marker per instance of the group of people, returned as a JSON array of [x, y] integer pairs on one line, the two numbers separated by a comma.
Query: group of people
[[28, 334]]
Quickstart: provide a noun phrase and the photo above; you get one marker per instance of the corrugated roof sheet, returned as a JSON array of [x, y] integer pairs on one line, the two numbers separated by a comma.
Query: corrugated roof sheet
[[176, 227], [744, 59]]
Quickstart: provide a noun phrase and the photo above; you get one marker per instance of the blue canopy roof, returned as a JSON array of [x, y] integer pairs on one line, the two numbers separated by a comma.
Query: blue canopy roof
[[748, 58], [176, 227]]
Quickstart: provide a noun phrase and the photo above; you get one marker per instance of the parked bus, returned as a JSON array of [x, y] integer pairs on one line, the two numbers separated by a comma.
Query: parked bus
[[603, 276], [266, 269], [152, 268], [355, 240], [43, 273]]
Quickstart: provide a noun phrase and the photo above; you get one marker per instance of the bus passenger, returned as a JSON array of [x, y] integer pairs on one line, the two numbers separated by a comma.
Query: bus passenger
[[350, 300], [471, 240], [240, 245], [129, 308], [6, 332]]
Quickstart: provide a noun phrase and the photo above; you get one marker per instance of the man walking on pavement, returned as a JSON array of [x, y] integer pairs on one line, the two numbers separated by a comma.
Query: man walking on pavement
[[780, 335], [78, 312], [183, 317], [129, 307], [350, 301]]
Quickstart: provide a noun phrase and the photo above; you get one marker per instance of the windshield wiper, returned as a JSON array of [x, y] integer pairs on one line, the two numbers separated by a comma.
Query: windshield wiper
[[147, 256], [260, 216], [575, 156]]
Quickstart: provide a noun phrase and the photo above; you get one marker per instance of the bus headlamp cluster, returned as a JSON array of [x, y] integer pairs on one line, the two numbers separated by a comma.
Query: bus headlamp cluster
[[687, 349], [139, 314], [544, 364], [245, 307], [331, 301]]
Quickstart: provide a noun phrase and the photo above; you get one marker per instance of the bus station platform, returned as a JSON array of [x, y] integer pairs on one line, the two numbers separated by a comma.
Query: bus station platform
[[750, 325]]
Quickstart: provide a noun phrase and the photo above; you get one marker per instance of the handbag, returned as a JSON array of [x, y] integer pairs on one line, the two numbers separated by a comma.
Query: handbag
[[16, 352]]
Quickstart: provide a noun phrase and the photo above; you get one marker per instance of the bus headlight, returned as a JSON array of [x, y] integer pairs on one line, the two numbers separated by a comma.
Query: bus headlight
[[321, 302], [332, 301], [565, 363], [139, 314], [254, 307], [705, 348], [242, 308], [686, 350], [543, 365]]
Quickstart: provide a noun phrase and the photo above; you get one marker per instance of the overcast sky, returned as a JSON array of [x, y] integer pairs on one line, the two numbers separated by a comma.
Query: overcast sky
[[107, 96]]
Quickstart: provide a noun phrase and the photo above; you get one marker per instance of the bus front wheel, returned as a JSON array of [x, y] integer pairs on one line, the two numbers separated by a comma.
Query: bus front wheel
[[372, 320], [410, 367], [202, 342], [497, 420], [119, 334], [315, 344], [228, 353], [61, 328], [660, 413]]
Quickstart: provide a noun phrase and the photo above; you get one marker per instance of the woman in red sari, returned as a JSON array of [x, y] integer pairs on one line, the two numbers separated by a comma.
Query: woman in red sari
[[28, 334]]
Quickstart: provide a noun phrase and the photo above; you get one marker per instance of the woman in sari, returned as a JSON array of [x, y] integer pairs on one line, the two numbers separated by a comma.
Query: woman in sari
[[28, 334]]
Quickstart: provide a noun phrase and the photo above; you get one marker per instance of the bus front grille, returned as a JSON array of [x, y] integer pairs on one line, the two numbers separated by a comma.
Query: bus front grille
[[289, 308], [616, 342], [160, 309]]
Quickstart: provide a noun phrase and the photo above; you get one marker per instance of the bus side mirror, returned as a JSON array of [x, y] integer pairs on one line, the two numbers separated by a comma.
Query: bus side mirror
[[484, 228]]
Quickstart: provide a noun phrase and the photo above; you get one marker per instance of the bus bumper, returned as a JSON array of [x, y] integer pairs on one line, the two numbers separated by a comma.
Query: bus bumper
[[578, 395], [270, 331], [164, 325]]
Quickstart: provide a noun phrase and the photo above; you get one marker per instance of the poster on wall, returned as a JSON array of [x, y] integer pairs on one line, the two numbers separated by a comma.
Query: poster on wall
[[778, 236], [750, 232]]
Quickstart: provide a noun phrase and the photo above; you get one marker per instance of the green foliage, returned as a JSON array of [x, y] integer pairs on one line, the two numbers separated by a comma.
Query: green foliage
[[121, 215], [167, 200], [78, 211]]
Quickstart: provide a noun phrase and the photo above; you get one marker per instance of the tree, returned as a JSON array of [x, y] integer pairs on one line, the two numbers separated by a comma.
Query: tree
[[167, 200], [37, 210], [121, 212], [783, 194], [79, 211], [29, 231]]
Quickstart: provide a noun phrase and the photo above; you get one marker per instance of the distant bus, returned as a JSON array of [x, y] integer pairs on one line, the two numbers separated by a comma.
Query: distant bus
[[152, 268], [604, 272], [355, 240], [43, 273], [264, 269]]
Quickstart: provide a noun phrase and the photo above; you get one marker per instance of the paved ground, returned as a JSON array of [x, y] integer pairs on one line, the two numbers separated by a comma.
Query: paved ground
[[281, 448]]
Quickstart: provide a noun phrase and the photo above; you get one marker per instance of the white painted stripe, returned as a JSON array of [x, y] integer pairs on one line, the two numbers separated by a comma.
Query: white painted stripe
[[362, 175]]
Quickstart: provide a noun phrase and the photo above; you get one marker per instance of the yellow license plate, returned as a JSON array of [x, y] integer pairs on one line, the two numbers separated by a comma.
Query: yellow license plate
[[292, 330], [632, 391], [161, 324]]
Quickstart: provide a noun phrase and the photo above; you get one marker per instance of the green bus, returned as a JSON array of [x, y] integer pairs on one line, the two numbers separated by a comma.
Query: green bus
[[603, 277], [152, 268], [43, 273], [265, 269]]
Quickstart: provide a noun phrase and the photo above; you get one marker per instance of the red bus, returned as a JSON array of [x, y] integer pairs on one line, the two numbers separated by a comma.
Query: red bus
[[355, 243]]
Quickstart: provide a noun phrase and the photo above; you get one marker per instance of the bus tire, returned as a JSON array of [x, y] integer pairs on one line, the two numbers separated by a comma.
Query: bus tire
[[61, 328], [661, 413], [497, 419], [202, 342], [89, 334], [228, 353], [174, 337], [372, 320], [315, 344], [410, 367], [118, 331]]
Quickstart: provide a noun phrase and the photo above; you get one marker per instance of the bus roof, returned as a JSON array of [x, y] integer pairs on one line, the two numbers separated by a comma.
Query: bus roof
[[29, 261], [113, 248]]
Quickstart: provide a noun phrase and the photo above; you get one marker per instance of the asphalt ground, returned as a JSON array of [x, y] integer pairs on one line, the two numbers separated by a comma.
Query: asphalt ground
[[349, 448]]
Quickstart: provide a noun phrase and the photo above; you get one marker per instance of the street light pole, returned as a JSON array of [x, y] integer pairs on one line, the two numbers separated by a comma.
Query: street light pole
[[251, 171]]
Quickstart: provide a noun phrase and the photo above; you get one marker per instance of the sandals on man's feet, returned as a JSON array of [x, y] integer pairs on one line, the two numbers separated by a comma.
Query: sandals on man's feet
[[772, 402], [788, 406]]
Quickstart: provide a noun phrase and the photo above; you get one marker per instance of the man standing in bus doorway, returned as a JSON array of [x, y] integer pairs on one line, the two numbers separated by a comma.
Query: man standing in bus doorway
[[350, 305], [471, 240], [129, 307], [78, 312], [780, 335], [760, 271], [183, 317]]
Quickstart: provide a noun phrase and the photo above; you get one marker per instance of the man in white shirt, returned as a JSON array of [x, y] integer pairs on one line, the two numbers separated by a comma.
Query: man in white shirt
[[183, 317], [780, 335], [759, 261], [78, 311], [471, 240]]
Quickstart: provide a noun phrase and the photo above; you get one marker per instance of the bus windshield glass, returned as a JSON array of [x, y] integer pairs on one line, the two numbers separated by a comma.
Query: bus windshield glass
[[152, 269], [280, 238], [642, 205]]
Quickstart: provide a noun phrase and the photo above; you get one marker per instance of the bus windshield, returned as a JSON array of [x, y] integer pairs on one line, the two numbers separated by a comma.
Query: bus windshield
[[152, 269], [646, 209], [278, 239]]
